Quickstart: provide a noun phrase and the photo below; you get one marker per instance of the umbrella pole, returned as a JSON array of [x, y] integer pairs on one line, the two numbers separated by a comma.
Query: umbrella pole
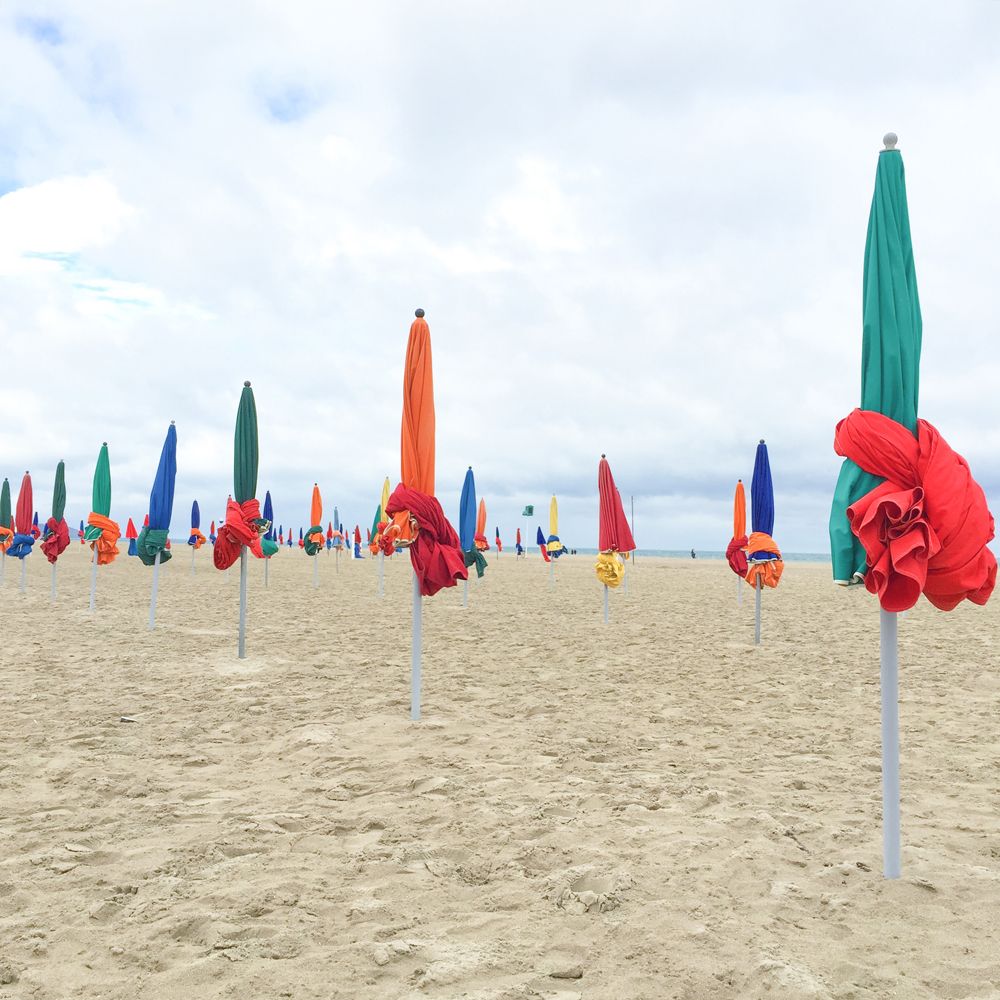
[[3, 564], [756, 628], [192, 560], [381, 573], [243, 603], [267, 562], [53, 583], [156, 587], [889, 683], [625, 576], [93, 576], [315, 571], [739, 591], [465, 593], [605, 604], [415, 655], [338, 559], [24, 578], [552, 572]]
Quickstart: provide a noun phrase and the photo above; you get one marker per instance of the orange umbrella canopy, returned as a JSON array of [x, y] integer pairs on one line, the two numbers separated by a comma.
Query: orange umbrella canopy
[[739, 511], [316, 514], [481, 518], [417, 443]]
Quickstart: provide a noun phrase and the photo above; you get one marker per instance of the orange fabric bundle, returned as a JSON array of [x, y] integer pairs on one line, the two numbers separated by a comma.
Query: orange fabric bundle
[[767, 571], [6, 537], [199, 539], [106, 546]]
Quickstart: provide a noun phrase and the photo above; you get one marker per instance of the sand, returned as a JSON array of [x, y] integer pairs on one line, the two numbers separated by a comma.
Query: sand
[[649, 809]]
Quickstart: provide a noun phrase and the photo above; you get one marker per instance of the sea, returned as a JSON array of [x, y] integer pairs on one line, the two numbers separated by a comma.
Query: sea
[[810, 557]]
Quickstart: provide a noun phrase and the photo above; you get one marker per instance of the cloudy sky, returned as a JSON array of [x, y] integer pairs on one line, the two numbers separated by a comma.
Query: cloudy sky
[[636, 229]]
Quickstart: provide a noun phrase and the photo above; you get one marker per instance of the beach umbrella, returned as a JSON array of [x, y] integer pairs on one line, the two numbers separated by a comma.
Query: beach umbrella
[[518, 547], [291, 540], [357, 541], [151, 545], [553, 546], [314, 537], [56, 536], [281, 534], [36, 532], [23, 541], [418, 520], [244, 527], [482, 542], [614, 536], [196, 539], [764, 563], [380, 540], [211, 533], [101, 531], [329, 536], [736, 550], [268, 515], [6, 525], [497, 541], [80, 533], [467, 532], [907, 516], [302, 541], [131, 534], [540, 542]]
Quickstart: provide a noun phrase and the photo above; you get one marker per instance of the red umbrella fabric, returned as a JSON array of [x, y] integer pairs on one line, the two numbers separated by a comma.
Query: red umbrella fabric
[[435, 553], [615, 535], [926, 528], [130, 531]]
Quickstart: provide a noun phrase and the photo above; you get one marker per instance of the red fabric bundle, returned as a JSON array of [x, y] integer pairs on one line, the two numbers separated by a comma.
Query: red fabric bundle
[[58, 538], [925, 529], [737, 555], [435, 553], [238, 530]]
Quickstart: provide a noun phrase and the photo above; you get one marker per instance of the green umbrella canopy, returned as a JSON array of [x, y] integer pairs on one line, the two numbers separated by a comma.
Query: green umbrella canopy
[[59, 493], [5, 504], [245, 450], [890, 351], [101, 500]]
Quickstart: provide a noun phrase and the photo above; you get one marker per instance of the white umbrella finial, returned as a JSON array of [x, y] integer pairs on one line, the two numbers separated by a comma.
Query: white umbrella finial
[[890, 139]]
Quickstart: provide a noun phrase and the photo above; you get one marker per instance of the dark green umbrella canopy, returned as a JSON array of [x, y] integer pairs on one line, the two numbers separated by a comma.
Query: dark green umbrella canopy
[[101, 501], [59, 493], [245, 451], [5, 504], [890, 352]]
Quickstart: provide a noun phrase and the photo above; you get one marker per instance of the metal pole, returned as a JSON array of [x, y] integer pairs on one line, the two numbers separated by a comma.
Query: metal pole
[[192, 560], [756, 630], [739, 591], [465, 592], [93, 576], [156, 585], [415, 655], [24, 572], [889, 682], [605, 604], [552, 572], [315, 571], [243, 603], [632, 498], [381, 573], [53, 583], [625, 574], [267, 566]]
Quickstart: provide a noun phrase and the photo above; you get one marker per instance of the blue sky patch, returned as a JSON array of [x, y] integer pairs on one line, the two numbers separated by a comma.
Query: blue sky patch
[[43, 30]]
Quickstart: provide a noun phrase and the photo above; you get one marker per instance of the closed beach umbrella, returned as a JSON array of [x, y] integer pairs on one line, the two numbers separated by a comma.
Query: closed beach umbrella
[[314, 537], [196, 539], [211, 533], [736, 550], [23, 540], [80, 534], [518, 547], [907, 516], [131, 534], [244, 527], [302, 541], [467, 530], [268, 515], [56, 536], [153, 545], [540, 542], [764, 563], [435, 552], [35, 530], [482, 542], [497, 541], [552, 543], [152, 539], [101, 531], [614, 536], [7, 525]]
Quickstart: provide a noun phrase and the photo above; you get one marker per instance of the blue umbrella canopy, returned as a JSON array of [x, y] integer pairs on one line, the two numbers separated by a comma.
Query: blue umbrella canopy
[[762, 493], [467, 513], [540, 537], [153, 537], [269, 517], [195, 515]]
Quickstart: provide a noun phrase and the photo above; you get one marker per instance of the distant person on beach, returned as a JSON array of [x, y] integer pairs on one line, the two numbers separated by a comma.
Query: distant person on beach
[[693, 556]]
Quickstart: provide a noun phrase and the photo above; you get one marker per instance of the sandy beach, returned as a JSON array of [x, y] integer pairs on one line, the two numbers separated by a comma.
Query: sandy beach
[[649, 809]]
